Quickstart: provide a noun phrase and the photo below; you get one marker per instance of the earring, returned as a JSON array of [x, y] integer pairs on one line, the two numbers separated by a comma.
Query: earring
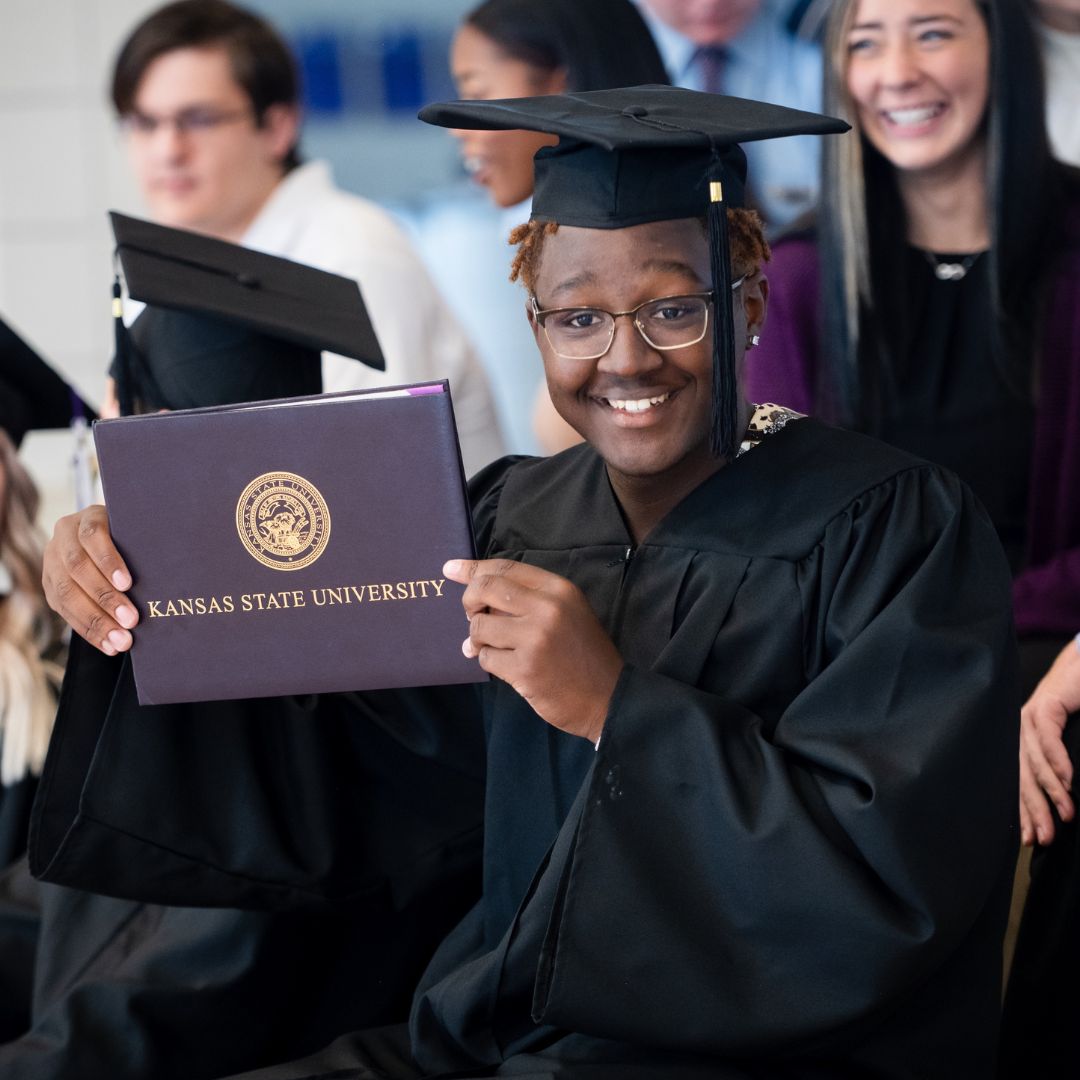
[[754, 340]]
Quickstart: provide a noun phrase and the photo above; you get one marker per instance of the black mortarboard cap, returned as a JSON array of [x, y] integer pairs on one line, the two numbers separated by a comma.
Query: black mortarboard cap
[[225, 323], [647, 153], [33, 396]]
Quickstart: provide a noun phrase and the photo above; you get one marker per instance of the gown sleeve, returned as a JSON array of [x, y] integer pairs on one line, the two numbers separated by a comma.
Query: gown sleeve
[[271, 803], [737, 885]]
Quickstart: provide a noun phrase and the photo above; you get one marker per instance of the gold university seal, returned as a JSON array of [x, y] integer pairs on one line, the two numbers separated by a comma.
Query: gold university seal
[[283, 521]]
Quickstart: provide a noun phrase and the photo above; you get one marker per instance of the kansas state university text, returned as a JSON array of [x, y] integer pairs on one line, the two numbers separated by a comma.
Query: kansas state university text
[[328, 596]]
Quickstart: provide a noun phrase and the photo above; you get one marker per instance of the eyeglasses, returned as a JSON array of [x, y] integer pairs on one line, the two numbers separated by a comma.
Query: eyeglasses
[[668, 322], [195, 121]]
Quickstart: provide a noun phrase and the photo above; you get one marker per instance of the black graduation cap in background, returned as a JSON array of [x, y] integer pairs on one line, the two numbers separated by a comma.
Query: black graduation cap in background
[[33, 397], [647, 153], [225, 323]]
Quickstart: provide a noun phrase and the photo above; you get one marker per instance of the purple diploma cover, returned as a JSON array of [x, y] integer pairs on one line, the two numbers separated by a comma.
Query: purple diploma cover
[[293, 546]]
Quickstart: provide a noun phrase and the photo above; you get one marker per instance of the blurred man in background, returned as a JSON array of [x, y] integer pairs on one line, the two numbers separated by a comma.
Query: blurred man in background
[[208, 98], [748, 48]]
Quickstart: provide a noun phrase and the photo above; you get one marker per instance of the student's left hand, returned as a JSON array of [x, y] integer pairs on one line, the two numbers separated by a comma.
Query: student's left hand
[[536, 631], [1046, 773]]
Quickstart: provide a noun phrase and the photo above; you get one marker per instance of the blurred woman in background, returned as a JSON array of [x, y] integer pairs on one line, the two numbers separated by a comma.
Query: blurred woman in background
[[518, 48], [30, 653]]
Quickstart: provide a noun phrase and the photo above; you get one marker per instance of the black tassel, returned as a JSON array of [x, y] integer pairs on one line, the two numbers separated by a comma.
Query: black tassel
[[724, 437], [122, 345]]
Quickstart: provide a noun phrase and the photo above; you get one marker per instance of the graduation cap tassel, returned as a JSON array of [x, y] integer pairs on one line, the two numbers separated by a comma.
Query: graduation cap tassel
[[724, 437], [123, 352]]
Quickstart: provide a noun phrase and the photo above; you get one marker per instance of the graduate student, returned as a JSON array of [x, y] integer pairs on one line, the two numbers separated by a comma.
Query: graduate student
[[751, 757], [112, 987]]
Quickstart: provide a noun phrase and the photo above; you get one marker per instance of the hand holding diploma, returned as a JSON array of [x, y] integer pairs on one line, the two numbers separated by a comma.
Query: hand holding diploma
[[536, 631], [86, 580]]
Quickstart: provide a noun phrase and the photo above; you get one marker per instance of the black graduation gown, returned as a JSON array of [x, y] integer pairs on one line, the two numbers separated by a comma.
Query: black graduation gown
[[125, 990], [15, 803], [792, 853]]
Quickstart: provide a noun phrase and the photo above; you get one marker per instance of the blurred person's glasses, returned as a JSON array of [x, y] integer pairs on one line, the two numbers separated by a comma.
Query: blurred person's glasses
[[195, 121], [586, 333]]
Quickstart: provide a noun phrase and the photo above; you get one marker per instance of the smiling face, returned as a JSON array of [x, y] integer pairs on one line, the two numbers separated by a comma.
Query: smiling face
[[647, 412], [212, 175], [502, 161], [918, 72]]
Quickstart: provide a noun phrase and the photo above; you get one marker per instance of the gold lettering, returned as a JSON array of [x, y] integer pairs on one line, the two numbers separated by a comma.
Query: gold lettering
[[373, 592], [245, 601], [335, 596], [438, 586], [171, 609], [319, 596], [200, 606], [358, 593], [155, 611], [228, 602], [402, 590], [387, 592], [259, 599], [423, 589], [215, 606], [187, 607], [272, 602], [298, 599], [412, 590]]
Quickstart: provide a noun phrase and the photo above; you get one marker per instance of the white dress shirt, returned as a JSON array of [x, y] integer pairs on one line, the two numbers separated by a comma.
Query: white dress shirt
[[766, 62], [311, 221]]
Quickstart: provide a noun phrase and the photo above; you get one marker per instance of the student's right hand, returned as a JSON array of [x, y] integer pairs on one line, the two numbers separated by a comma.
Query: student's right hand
[[85, 581]]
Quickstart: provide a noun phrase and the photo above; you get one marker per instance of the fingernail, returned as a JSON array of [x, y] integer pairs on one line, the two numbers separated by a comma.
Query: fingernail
[[1025, 837], [121, 581], [467, 648], [126, 616], [120, 638], [107, 648], [451, 567], [1040, 832]]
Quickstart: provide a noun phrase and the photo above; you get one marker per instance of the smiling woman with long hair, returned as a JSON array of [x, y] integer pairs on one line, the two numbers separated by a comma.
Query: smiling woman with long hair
[[932, 301]]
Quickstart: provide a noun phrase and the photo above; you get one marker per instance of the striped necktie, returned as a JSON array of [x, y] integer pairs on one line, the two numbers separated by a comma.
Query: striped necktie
[[709, 63]]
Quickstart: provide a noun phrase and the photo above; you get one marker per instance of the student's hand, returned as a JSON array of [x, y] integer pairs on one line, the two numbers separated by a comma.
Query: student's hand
[[536, 631], [85, 580], [1046, 772]]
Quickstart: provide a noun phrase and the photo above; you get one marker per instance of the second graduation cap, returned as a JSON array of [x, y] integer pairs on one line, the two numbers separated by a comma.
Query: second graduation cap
[[647, 153], [32, 395], [225, 323]]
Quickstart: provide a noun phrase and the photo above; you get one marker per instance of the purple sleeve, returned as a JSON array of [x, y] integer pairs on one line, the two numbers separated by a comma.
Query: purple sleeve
[[783, 368], [1046, 596]]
